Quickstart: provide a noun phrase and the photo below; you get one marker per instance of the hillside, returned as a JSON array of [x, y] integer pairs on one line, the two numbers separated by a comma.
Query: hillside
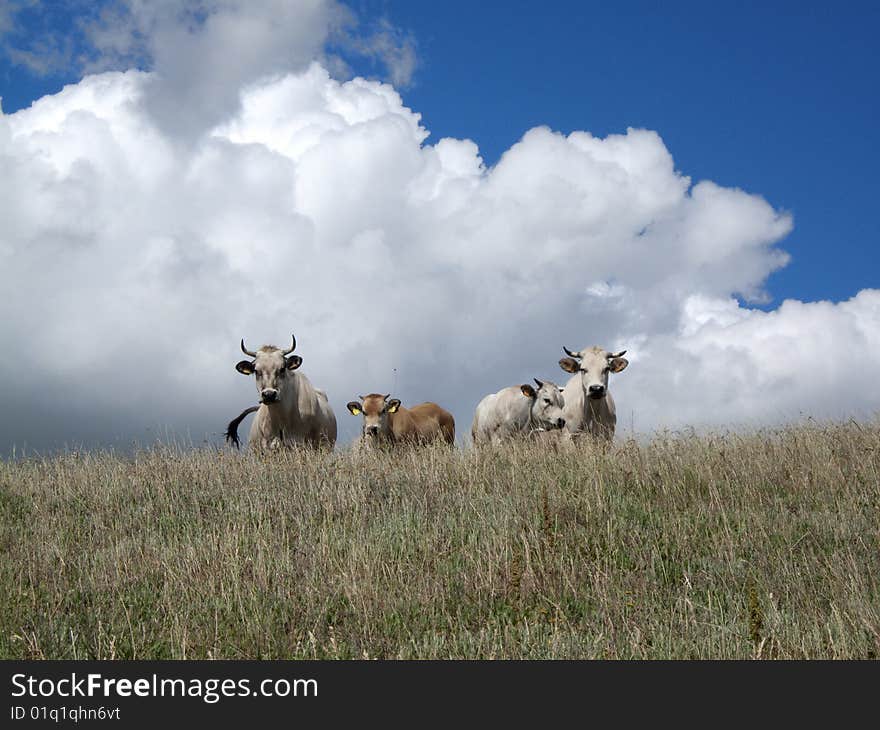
[[732, 546]]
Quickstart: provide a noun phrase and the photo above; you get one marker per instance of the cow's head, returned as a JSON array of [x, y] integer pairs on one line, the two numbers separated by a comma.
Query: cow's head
[[547, 405], [271, 366], [594, 364], [375, 409]]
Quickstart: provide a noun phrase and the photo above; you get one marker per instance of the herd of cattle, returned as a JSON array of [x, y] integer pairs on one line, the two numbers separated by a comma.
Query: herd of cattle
[[292, 411]]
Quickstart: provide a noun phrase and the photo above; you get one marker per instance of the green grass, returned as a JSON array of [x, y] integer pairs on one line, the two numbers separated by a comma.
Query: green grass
[[760, 545]]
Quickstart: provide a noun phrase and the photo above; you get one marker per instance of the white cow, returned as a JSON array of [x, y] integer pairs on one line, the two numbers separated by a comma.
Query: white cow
[[291, 409], [589, 407], [516, 411]]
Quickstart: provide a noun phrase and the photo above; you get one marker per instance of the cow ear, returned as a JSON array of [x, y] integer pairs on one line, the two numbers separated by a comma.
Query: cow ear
[[245, 367], [528, 391], [354, 407], [618, 364], [393, 405], [293, 362], [569, 364]]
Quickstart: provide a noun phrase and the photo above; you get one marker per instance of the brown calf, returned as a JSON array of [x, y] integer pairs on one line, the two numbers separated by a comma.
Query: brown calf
[[388, 421]]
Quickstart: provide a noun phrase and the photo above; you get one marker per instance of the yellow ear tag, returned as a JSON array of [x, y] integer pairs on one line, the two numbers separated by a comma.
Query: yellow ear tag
[[356, 411]]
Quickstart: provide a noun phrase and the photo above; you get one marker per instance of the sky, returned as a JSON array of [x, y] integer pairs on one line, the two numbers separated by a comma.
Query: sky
[[434, 198]]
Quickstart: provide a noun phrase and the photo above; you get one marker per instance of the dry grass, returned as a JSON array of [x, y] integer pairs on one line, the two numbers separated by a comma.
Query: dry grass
[[763, 545]]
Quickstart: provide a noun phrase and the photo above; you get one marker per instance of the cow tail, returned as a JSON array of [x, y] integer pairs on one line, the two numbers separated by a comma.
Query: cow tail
[[232, 429]]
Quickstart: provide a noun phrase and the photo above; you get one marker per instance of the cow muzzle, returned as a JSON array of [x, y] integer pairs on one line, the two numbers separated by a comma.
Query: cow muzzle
[[269, 396], [597, 391], [560, 423], [371, 430]]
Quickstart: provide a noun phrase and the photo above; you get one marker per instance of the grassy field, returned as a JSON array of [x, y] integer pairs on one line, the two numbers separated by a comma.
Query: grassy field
[[763, 545]]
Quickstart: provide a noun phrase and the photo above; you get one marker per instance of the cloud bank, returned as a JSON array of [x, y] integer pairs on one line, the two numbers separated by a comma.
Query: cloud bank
[[141, 240]]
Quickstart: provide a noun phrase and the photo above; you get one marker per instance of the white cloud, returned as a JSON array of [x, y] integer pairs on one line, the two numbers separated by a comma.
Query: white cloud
[[203, 52], [132, 263], [727, 365]]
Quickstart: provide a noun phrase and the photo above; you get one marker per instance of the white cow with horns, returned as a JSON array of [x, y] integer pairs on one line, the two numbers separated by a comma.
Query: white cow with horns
[[291, 411], [589, 407]]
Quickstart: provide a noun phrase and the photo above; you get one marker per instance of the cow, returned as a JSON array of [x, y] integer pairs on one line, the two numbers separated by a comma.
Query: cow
[[518, 410], [388, 422], [291, 411], [589, 407]]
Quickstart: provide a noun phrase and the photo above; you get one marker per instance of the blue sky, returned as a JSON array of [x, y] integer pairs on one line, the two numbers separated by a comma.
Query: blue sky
[[779, 99]]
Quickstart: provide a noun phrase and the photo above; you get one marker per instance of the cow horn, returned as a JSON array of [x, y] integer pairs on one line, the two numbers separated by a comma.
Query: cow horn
[[540, 384], [569, 352], [611, 355], [292, 346], [246, 351]]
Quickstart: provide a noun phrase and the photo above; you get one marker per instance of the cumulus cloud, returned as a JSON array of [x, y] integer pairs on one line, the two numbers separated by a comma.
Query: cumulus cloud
[[132, 263], [203, 52], [736, 366]]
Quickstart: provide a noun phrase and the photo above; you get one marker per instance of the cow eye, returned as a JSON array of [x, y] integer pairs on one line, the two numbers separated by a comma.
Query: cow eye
[[547, 401]]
